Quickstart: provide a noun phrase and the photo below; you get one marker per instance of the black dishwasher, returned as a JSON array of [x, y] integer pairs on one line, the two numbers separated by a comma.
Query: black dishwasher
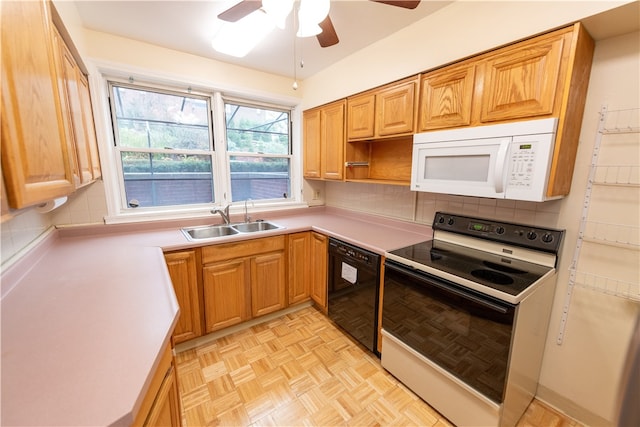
[[354, 287]]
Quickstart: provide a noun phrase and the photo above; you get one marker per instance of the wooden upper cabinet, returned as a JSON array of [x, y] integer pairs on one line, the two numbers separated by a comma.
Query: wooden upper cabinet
[[522, 81], [395, 109], [35, 161], [332, 139], [388, 111], [324, 137], [87, 115], [78, 115], [361, 114], [446, 97], [311, 150]]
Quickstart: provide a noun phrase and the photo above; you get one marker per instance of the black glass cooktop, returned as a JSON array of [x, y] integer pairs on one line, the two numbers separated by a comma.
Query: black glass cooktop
[[504, 274]]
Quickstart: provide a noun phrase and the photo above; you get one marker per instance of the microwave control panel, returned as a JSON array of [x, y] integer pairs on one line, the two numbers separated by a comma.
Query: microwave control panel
[[521, 167]]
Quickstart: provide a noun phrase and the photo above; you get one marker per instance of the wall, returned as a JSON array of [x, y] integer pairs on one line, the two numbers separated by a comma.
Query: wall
[[582, 373], [581, 376]]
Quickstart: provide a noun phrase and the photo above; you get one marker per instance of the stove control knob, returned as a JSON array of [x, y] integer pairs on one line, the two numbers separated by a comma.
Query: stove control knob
[[441, 219], [451, 221], [532, 235], [547, 238], [500, 230]]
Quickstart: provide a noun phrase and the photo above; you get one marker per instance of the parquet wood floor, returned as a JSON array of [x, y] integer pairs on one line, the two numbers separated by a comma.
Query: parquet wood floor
[[301, 370]]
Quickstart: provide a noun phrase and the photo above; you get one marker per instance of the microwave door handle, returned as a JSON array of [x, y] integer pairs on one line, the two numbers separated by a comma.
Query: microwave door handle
[[501, 163]]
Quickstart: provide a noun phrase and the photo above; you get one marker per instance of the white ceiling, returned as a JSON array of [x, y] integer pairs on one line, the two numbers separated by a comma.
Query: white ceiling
[[189, 26]]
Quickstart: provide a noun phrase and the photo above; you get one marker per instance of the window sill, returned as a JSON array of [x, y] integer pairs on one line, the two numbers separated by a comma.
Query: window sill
[[236, 209]]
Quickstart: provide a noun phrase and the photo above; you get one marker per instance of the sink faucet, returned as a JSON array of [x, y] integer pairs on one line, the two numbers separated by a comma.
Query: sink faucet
[[247, 218], [224, 213]]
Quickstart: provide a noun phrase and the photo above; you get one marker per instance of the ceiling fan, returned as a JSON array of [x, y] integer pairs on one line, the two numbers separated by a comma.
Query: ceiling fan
[[327, 37]]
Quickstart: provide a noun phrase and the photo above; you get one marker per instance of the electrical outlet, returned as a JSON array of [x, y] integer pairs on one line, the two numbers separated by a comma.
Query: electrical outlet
[[316, 194]]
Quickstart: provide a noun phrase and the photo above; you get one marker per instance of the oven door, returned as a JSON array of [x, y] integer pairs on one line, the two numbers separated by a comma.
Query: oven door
[[464, 332]]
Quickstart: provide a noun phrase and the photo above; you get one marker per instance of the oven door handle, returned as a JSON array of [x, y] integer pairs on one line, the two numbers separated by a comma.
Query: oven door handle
[[441, 284]]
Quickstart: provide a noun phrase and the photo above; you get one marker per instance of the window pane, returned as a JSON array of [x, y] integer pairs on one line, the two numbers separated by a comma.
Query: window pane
[[159, 120], [256, 130], [154, 179], [259, 178]]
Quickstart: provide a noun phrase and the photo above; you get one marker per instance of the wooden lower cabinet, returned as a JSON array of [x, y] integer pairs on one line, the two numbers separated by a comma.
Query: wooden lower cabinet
[[242, 280], [318, 269], [268, 284], [183, 270], [226, 294], [161, 405], [223, 285], [299, 268]]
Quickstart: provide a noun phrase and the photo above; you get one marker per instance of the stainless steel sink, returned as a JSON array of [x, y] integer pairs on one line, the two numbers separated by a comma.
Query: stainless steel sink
[[252, 227], [213, 231], [208, 232]]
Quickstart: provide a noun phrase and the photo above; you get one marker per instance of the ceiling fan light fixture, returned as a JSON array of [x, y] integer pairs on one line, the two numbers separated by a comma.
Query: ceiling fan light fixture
[[313, 10], [278, 10], [308, 29], [239, 38]]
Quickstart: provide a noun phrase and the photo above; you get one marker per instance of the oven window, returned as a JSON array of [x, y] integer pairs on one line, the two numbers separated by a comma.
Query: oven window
[[466, 338]]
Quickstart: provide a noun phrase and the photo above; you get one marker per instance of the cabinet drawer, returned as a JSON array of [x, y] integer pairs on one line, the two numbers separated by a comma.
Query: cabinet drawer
[[241, 249]]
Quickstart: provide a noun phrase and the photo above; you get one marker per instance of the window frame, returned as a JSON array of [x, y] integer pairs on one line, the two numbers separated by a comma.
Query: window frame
[[112, 167], [228, 154], [119, 149]]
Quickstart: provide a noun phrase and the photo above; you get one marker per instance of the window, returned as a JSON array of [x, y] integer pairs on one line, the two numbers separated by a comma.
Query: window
[[259, 150], [166, 158], [165, 146]]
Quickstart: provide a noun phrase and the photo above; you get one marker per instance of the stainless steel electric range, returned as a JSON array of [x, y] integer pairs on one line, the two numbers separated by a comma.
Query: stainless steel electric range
[[465, 316]]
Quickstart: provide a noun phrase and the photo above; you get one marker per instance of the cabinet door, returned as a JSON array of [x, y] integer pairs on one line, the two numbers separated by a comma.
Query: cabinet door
[[332, 137], [34, 151], [311, 152], [78, 132], [395, 110], [4, 205], [361, 116], [166, 409], [184, 275], [87, 115], [521, 82], [268, 283], [445, 98], [299, 263], [318, 266], [226, 294]]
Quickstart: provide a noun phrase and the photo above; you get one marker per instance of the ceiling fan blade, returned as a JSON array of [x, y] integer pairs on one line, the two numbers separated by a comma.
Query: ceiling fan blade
[[408, 4], [328, 36], [240, 10]]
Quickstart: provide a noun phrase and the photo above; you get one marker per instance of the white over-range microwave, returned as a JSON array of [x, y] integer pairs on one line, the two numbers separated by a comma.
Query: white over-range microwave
[[503, 161]]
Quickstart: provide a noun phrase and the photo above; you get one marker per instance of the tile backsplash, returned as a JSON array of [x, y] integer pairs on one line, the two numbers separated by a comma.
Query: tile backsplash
[[18, 232], [401, 203]]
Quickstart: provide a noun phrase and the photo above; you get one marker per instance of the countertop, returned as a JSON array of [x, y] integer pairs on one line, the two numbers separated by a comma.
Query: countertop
[[86, 314]]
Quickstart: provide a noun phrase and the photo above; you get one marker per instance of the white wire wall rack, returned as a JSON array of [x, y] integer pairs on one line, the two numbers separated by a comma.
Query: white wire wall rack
[[616, 173]]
